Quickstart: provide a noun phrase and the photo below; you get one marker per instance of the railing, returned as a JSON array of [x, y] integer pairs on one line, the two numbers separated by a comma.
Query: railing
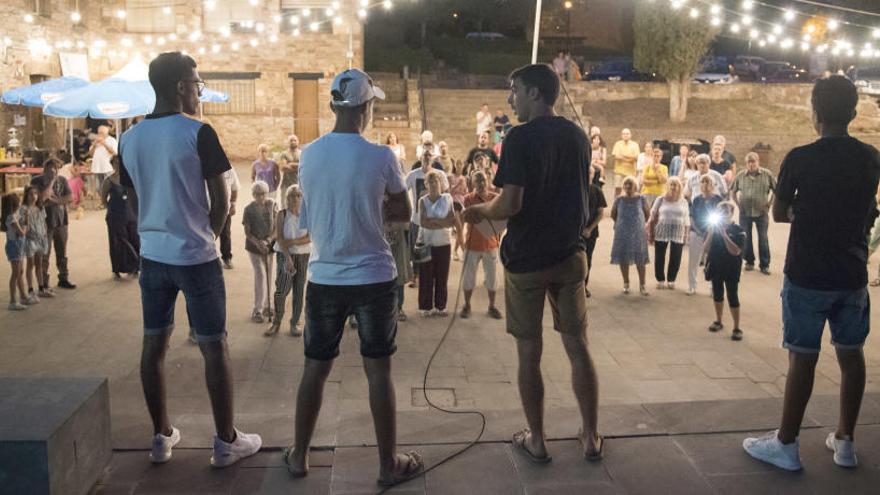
[[423, 110], [570, 105]]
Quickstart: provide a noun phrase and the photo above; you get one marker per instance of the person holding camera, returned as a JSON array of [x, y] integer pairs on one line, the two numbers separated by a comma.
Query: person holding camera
[[723, 246], [702, 206]]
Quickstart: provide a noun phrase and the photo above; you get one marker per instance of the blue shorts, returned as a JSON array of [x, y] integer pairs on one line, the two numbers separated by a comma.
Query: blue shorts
[[805, 311], [203, 289], [15, 250], [374, 306]]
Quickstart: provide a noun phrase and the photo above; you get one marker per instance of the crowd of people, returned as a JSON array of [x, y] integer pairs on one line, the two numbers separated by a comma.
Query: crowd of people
[[358, 222]]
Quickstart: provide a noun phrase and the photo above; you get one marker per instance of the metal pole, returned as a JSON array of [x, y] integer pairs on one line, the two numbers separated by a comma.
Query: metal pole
[[536, 35], [350, 53], [72, 158]]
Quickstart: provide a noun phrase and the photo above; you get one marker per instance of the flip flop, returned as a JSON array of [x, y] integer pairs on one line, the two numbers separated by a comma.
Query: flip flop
[[519, 441], [412, 468], [596, 456], [295, 472]]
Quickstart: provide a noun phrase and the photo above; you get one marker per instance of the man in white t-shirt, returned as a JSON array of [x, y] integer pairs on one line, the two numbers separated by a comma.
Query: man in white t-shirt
[[351, 187], [103, 149]]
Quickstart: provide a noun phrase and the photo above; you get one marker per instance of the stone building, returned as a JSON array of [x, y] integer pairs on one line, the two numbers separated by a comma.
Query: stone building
[[598, 24], [275, 58]]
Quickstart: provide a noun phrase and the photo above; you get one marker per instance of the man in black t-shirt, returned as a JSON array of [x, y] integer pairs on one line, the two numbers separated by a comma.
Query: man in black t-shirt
[[544, 182], [55, 203], [482, 147], [720, 164], [826, 191]]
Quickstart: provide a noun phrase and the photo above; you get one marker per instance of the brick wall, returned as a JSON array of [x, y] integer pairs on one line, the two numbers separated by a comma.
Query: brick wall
[[272, 121]]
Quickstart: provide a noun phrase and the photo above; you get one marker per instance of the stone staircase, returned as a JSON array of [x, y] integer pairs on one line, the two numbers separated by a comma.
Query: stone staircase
[[452, 115], [393, 114]]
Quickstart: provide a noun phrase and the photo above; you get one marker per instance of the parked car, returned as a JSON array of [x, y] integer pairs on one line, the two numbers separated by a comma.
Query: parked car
[[485, 36], [790, 76], [716, 71], [867, 79], [769, 69], [617, 70], [670, 147], [747, 67]]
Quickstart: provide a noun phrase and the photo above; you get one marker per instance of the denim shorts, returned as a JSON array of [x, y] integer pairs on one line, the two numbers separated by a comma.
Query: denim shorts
[[805, 311], [203, 289], [15, 250], [374, 306]]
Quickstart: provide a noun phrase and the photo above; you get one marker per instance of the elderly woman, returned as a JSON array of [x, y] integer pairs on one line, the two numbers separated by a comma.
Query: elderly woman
[[702, 208], [630, 246], [653, 177], [668, 229], [394, 143], [692, 185], [437, 217], [292, 248], [426, 142], [265, 169], [259, 221]]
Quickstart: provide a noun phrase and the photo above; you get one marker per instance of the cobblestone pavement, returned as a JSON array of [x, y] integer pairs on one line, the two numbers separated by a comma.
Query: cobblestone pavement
[[647, 350]]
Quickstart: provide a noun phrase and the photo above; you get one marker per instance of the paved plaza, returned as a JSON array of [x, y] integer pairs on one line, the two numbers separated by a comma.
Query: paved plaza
[[675, 399]]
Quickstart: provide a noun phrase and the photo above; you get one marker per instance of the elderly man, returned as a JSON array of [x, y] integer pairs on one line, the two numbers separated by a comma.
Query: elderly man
[[753, 191], [692, 188], [55, 203], [103, 149], [290, 163], [625, 153]]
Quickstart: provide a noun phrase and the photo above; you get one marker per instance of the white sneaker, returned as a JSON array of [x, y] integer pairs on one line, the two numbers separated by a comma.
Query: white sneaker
[[227, 454], [691, 291], [162, 446], [425, 313], [844, 451], [661, 285], [46, 293], [670, 285], [15, 306], [32, 299], [770, 450]]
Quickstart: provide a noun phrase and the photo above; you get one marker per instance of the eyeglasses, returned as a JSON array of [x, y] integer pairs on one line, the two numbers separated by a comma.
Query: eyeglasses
[[200, 84]]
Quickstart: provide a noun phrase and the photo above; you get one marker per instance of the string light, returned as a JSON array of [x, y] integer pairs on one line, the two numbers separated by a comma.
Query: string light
[[314, 26], [833, 24], [747, 20], [254, 3], [695, 13], [28, 18], [306, 12], [789, 15], [716, 21], [748, 4], [294, 20], [121, 14], [75, 16], [734, 28], [210, 4], [387, 5], [166, 10], [715, 10]]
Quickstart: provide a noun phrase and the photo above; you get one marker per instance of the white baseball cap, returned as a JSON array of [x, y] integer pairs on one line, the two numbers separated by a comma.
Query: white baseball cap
[[352, 88]]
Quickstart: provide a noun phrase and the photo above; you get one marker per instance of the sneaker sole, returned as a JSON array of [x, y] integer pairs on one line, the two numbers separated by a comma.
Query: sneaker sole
[[230, 459]]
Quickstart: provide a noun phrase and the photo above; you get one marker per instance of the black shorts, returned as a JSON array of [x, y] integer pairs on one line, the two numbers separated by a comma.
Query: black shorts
[[374, 306]]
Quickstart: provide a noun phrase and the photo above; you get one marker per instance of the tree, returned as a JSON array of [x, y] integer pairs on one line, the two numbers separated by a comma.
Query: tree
[[671, 44]]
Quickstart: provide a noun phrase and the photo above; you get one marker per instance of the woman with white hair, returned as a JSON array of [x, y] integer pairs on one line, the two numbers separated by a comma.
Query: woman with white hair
[[702, 209], [426, 142], [259, 221], [668, 229], [292, 248]]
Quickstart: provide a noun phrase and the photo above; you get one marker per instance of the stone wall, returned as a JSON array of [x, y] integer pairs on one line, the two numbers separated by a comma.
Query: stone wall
[[272, 120]]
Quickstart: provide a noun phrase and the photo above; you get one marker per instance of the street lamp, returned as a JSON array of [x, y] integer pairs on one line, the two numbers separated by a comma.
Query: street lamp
[[567, 6]]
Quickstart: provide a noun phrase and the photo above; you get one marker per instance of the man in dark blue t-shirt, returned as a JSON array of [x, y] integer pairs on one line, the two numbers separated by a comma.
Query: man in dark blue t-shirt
[[544, 183], [826, 191]]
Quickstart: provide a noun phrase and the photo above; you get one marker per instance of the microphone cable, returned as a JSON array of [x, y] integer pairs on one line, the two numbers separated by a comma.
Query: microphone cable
[[479, 414]]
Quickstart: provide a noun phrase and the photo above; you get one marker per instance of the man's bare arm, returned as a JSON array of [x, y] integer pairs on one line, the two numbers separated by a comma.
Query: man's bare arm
[[219, 203], [397, 208]]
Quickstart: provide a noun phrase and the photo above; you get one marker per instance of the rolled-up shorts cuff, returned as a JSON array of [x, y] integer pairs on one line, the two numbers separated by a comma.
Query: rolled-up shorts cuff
[[159, 331], [847, 347], [800, 350]]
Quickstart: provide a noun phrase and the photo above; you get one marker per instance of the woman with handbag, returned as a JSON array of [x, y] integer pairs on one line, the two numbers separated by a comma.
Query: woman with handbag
[[437, 217], [630, 246], [668, 229], [724, 244]]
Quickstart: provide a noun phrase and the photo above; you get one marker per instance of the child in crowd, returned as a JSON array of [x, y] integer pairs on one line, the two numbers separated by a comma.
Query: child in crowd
[[15, 239], [37, 245], [259, 222], [724, 244]]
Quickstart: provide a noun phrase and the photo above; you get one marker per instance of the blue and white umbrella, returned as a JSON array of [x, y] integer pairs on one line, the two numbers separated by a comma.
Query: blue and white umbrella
[[37, 95], [212, 96], [112, 98]]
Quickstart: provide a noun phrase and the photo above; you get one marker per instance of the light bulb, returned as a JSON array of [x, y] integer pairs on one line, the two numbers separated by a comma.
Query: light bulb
[[715, 9], [716, 21], [788, 15], [314, 26], [75, 16], [734, 28], [695, 13], [387, 5], [306, 12], [28, 18], [166, 10], [748, 4], [747, 20], [121, 14], [833, 24]]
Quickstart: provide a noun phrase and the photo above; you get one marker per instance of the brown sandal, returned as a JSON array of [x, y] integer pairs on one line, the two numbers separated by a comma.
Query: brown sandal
[[519, 441]]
